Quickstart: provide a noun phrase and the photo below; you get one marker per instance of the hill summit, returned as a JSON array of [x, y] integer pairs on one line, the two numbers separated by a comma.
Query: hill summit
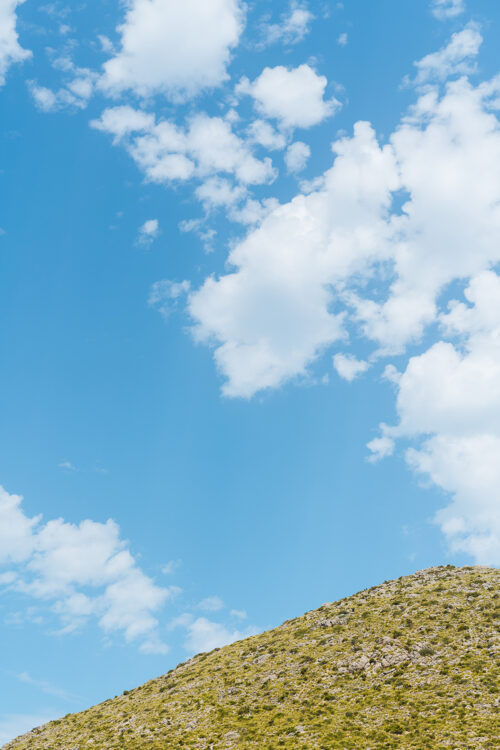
[[412, 663]]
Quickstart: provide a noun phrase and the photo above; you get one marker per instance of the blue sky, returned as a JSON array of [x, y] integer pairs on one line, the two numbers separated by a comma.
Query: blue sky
[[243, 375]]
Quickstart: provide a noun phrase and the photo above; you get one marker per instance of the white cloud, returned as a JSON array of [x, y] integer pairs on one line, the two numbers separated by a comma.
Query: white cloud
[[444, 9], [253, 211], [240, 614], [342, 39], [45, 99], [263, 133], [166, 152], [122, 121], [270, 316], [10, 49], [468, 468], [295, 25], [82, 571], [148, 232], [297, 156], [171, 567], [14, 725], [173, 48], [380, 447], [217, 191], [16, 530], [205, 635], [164, 295], [46, 687], [67, 465], [154, 647], [216, 148], [75, 94], [454, 59], [450, 397], [106, 43], [295, 98], [348, 366], [211, 604]]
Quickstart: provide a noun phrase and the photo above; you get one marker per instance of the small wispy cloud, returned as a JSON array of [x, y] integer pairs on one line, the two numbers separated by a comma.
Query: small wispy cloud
[[445, 9], [211, 604], [164, 295], [47, 687], [171, 567], [67, 466], [293, 27], [240, 614], [148, 232]]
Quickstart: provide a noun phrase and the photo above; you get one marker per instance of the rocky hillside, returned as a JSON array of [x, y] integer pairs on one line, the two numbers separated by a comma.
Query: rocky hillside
[[412, 663]]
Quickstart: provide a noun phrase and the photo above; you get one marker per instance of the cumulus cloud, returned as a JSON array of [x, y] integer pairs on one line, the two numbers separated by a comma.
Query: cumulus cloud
[[10, 49], [294, 97], [294, 26], [82, 570], [445, 9], [171, 48]]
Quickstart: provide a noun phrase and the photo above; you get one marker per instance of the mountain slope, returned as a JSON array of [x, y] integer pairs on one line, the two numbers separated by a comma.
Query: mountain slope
[[412, 663]]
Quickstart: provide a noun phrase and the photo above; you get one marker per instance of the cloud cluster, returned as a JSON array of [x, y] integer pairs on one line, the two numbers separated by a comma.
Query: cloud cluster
[[373, 247], [84, 571], [75, 93], [274, 312], [272, 315], [10, 49], [206, 150]]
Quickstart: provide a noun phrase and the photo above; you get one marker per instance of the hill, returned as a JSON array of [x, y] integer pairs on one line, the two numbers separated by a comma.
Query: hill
[[412, 663]]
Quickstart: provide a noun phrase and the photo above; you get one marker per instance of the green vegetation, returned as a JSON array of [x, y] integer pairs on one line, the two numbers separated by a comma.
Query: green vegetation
[[413, 663]]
